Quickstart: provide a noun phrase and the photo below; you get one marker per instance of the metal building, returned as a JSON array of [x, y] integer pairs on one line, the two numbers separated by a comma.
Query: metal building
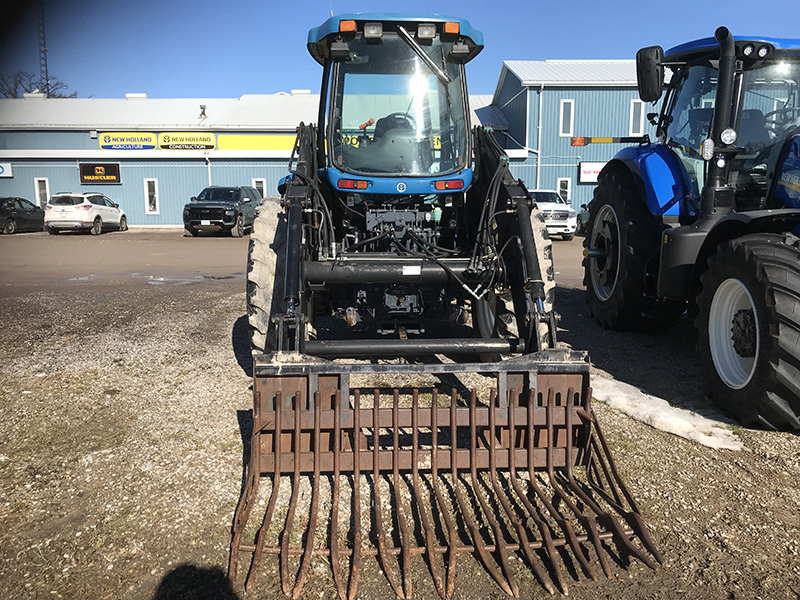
[[538, 106], [152, 155], [149, 155]]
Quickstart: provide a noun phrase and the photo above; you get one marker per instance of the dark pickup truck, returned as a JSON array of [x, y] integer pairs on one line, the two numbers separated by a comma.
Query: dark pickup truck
[[219, 208]]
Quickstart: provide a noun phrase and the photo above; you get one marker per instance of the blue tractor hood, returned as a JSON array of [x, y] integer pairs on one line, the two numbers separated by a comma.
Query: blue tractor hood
[[319, 37]]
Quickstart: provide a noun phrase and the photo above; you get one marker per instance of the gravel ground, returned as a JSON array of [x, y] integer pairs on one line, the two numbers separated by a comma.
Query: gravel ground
[[125, 394]]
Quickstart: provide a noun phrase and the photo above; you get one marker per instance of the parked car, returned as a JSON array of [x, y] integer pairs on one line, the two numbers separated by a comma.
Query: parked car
[[559, 217], [89, 211], [583, 218], [18, 214], [219, 208]]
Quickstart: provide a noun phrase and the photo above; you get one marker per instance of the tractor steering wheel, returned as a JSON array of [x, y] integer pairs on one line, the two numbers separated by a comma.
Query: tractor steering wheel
[[403, 115], [772, 117]]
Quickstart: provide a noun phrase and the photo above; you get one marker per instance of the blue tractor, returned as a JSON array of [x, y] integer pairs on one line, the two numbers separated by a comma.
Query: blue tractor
[[402, 248], [706, 218]]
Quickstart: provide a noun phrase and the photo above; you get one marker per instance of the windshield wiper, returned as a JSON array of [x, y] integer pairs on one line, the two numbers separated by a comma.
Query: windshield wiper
[[409, 39]]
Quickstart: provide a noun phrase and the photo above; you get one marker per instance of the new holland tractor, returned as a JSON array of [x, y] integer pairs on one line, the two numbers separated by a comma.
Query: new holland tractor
[[707, 216], [401, 262]]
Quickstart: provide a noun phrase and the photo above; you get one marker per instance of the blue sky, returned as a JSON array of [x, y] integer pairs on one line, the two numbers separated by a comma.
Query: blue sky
[[223, 49]]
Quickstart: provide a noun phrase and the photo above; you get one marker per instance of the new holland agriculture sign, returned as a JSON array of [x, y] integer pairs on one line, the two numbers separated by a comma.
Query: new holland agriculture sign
[[125, 140]]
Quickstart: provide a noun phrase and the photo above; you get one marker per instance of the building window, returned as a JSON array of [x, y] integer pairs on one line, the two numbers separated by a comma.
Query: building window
[[42, 190], [151, 197], [567, 117], [637, 118], [565, 188], [261, 186]]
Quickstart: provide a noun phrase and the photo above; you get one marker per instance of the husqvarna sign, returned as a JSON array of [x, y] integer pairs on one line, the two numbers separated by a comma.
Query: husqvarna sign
[[5, 170]]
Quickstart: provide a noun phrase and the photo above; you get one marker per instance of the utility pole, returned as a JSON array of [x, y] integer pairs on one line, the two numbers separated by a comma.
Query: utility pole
[[44, 77]]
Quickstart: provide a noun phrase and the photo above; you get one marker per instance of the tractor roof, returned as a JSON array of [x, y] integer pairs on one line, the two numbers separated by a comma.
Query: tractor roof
[[318, 36], [702, 47]]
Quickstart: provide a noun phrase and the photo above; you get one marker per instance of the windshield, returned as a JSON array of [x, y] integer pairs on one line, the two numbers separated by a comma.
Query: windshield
[[766, 113], [394, 114], [552, 197], [218, 195]]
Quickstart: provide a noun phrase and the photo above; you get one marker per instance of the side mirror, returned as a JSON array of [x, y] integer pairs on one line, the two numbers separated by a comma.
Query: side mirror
[[650, 73], [193, 199]]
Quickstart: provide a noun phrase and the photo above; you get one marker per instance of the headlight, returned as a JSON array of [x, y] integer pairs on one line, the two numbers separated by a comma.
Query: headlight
[[228, 212], [728, 136]]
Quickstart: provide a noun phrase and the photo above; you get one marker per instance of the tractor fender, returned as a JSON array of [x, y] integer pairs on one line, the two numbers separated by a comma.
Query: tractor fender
[[659, 178], [685, 250]]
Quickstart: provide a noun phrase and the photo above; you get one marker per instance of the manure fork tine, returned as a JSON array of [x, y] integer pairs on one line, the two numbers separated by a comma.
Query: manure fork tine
[[544, 530], [480, 547], [355, 563], [495, 525], [430, 540], [376, 475], [287, 530], [523, 536], [606, 517], [312, 523], [566, 526], [261, 534], [589, 524], [404, 540], [633, 516], [337, 469], [452, 538]]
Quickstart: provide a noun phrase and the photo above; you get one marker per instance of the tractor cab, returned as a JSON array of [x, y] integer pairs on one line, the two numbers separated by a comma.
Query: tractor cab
[[758, 125], [394, 114]]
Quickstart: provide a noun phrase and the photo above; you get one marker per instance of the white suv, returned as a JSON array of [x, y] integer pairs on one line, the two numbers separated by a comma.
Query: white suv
[[91, 211], [559, 217]]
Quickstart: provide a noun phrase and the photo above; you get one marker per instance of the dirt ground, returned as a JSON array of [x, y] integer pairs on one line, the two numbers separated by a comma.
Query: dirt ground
[[125, 395]]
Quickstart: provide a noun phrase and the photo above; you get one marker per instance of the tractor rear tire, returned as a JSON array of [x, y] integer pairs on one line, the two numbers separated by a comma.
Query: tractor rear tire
[[266, 259], [749, 329], [493, 316], [621, 226]]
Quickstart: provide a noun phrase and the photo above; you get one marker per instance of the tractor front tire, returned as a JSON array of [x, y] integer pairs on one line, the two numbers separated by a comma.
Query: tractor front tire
[[493, 315], [749, 329], [265, 274], [622, 237]]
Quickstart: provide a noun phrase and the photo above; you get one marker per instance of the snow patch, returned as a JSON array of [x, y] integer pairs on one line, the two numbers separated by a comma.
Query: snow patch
[[658, 413]]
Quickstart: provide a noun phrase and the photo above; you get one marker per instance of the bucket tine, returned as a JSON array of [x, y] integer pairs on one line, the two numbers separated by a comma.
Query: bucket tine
[[404, 540], [544, 530], [355, 562], [261, 535], [430, 539], [376, 477], [564, 525], [488, 513], [287, 530], [477, 540], [632, 517], [523, 536], [589, 525], [312, 522], [607, 518], [452, 534], [337, 469]]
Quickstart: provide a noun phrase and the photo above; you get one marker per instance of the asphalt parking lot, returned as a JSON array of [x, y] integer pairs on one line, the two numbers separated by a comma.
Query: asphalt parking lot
[[124, 390]]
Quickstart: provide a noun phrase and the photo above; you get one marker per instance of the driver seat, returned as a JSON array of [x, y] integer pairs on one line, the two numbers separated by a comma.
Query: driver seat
[[390, 122]]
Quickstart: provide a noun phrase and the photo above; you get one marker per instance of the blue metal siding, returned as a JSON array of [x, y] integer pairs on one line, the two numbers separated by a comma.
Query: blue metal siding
[[178, 181], [50, 140], [512, 100], [598, 112]]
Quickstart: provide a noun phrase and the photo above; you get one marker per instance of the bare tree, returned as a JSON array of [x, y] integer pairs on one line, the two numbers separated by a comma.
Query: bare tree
[[22, 82]]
